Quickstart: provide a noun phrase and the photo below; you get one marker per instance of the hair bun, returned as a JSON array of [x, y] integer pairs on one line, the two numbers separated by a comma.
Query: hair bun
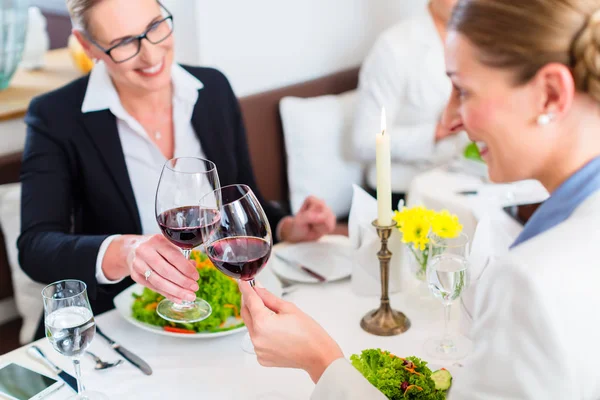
[[586, 52]]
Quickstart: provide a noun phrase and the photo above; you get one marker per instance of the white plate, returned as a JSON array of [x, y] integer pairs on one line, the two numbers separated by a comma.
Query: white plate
[[124, 300], [331, 257]]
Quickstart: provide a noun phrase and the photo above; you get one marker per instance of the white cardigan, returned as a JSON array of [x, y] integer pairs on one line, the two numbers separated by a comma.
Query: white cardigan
[[405, 73], [535, 323]]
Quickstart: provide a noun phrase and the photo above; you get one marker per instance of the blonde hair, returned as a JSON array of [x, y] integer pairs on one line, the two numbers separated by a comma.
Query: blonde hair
[[78, 10], [525, 35]]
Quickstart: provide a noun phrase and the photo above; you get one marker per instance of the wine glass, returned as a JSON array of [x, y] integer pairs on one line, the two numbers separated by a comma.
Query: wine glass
[[183, 181], [70, 326], [240, 244], [447, 277]]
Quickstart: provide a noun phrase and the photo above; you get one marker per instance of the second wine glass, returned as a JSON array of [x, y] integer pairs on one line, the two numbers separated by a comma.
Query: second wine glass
[[182, 184], [448, 277], [240, 245]]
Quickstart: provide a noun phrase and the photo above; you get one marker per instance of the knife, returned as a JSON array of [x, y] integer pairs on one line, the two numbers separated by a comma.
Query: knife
[[37, 354], [126, 354], [309, 271]]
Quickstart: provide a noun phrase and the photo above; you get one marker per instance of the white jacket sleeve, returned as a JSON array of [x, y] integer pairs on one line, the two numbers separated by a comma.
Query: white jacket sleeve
[[341, 381], [383, 83], [518, 352]]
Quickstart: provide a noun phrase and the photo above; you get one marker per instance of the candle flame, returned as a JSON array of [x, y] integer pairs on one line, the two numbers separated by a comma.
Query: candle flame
[[383, 120]]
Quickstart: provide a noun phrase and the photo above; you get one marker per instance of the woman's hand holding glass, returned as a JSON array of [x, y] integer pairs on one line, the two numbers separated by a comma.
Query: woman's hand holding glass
[[283, 336], [173, 276]]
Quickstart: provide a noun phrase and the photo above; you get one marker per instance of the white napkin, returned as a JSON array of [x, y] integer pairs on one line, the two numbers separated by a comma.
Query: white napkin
[[490, 241], [366, 280]]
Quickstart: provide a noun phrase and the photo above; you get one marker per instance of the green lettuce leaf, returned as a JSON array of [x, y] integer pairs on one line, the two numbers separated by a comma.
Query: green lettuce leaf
[[388, 373]]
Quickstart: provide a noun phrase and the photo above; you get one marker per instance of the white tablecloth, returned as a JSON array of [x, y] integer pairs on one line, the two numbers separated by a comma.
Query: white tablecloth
[[472, 198], [218, 368]]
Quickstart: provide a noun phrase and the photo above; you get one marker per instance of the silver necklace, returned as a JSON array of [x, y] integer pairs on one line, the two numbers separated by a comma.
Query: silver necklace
[[157, 135]]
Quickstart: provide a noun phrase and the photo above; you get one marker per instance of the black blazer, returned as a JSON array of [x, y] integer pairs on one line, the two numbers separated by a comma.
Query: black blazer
[[75, 185]]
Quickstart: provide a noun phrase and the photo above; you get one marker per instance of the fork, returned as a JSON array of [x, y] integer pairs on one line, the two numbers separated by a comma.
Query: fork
[[287, 286], [101, 364]]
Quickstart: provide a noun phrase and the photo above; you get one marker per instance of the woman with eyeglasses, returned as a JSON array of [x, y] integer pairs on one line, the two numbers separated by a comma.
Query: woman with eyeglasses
[[95, 149]]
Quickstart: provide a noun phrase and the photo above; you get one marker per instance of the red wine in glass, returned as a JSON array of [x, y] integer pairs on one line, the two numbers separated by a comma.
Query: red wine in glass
[[184, 226], [183, 182], [239, 257], [240, 245]]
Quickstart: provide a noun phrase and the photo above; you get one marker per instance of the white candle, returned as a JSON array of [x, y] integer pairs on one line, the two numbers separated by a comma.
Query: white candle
[[384, 183]]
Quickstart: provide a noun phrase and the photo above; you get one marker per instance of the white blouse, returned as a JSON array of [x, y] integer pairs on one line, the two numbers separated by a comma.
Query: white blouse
[[143, 158], [405, 73]]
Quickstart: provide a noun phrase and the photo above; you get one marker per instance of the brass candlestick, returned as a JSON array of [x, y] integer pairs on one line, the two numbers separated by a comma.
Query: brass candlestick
[[385, 321]]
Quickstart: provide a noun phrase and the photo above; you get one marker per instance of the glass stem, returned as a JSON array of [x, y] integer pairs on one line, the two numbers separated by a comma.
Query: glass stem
[[446, 339], [77, 367], [185, 303]]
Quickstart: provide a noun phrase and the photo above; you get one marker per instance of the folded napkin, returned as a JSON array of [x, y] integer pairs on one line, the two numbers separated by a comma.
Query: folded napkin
[[366, 277]]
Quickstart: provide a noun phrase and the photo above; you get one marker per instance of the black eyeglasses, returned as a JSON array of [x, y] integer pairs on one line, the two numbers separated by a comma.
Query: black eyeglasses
[[130, 47]]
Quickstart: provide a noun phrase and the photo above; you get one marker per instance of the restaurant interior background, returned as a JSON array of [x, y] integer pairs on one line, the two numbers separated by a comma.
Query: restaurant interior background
[[260, 45]]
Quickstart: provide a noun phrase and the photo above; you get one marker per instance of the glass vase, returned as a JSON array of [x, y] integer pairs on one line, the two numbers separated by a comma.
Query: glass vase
[[13, 31], [417, 262]]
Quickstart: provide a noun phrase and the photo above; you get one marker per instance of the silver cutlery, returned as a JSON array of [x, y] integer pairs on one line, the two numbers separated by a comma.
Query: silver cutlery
[[287, 286], [126, 354], [37, 354], [307, 270], [101, 364]]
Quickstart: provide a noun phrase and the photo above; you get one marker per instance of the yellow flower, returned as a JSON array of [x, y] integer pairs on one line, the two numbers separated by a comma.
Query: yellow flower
[[416, 223], [400, 217], [415, 231], [446, 225]]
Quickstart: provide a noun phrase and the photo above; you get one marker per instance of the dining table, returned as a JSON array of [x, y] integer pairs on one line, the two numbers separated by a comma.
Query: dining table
[[218, 368]]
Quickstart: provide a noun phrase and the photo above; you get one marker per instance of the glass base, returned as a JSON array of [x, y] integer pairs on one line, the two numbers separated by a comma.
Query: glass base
[[187, 312], [247, 345], [88, 395], [456, 348]]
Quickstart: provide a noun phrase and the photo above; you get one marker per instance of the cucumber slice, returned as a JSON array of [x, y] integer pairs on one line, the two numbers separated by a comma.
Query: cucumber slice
[[442, 379]]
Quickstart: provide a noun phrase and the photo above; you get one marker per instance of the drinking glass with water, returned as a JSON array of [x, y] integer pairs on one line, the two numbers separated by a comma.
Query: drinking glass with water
[[70, 325], [447, 278]]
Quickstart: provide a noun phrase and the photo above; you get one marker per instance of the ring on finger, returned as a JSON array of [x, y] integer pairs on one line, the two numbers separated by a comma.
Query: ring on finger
[[148, 274]]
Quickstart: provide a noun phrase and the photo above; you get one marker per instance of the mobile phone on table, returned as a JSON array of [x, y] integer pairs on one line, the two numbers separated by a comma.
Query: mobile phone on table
[[20, 383]]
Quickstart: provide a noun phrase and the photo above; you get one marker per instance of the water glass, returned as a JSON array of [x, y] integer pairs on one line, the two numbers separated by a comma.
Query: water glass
[[70, 326], [447, 278]]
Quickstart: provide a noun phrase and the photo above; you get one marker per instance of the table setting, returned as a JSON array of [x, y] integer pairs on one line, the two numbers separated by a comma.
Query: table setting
[[363, 289]]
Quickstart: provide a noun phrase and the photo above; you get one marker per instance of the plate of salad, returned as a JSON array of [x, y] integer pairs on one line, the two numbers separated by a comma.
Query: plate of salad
[[398, 378], [137, 304]]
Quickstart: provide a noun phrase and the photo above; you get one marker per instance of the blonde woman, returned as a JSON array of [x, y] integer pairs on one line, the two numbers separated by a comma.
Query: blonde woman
[[526, 87], [95, 149]]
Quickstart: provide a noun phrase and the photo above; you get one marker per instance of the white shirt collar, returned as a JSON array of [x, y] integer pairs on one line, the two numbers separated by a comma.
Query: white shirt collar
[[102, 95]]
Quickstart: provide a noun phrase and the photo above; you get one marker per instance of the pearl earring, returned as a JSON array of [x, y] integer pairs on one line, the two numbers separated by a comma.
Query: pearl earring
[[545, 119]]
